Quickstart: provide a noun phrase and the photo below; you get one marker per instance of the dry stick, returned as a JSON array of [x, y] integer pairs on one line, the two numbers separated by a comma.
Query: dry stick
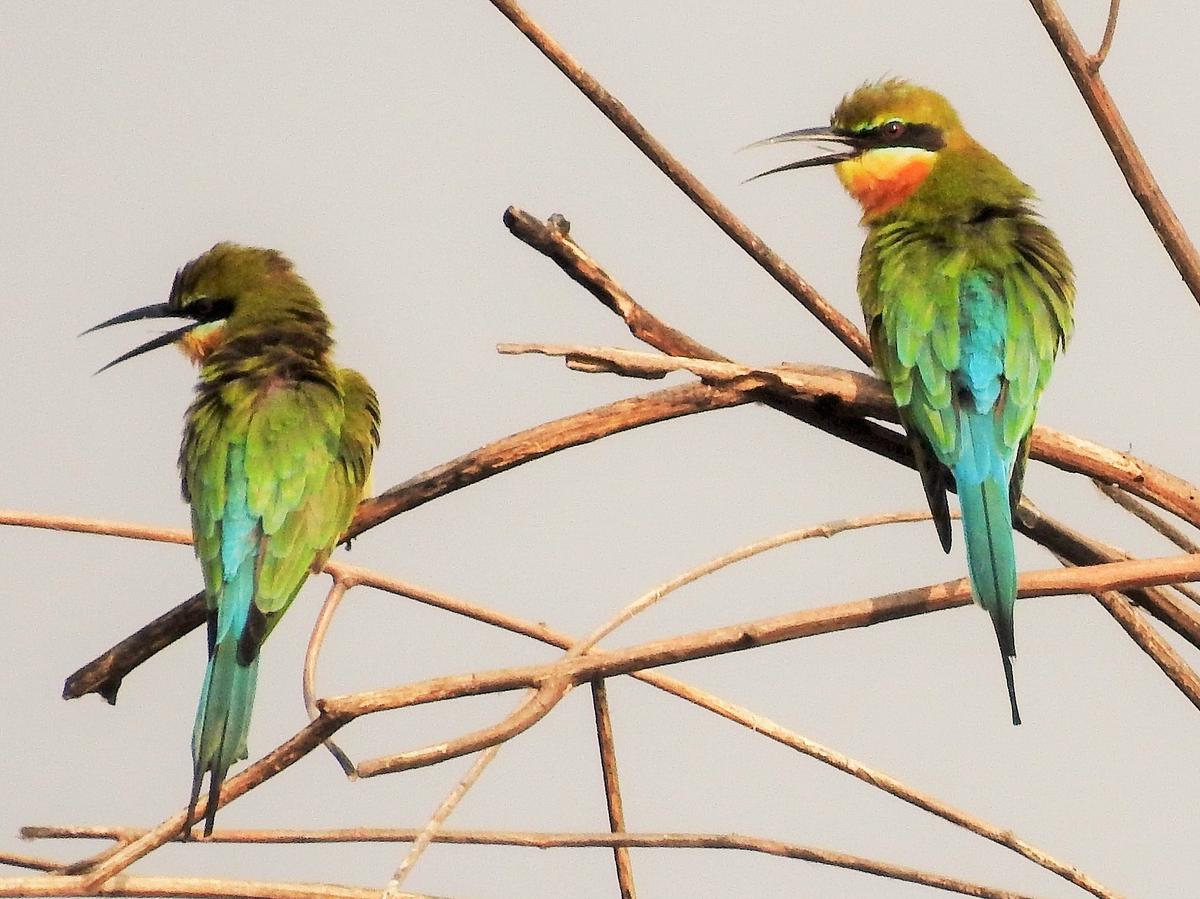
[[720, 215], [612, 787], [33, 863], [1163, 527], [588, 840], [1148, 515], [552, 240], [738, 715], [429, 832], [1053, 447], [1150, 640], [339, 711], [1138, 176], [1096, 60], [1031, 520], [200, 887], [1083, 550], [761, 632], [316, 640], [550, 693], [103, 674], [861, 394]]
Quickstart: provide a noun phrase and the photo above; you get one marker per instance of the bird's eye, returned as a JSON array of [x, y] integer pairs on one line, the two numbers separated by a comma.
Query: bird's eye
[[209, 308], [893, 129]]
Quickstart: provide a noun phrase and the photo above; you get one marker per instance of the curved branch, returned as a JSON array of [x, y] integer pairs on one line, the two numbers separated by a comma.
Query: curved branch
[[1138, 176], [706, 200], [852, 393], [103, 674]]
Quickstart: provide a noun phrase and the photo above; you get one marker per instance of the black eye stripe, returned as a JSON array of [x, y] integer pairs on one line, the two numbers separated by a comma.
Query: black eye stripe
[[209, 309], [918, 135]]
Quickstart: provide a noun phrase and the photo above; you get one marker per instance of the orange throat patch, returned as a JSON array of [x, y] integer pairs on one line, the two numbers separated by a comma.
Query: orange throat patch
[[882, 179], [201, 340]]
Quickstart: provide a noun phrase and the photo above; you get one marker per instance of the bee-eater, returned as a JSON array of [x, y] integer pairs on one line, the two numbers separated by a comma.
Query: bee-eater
[[276, 454], [967, 297]]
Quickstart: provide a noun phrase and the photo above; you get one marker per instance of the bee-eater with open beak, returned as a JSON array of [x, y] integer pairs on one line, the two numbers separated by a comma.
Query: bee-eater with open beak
[[967, 297], [276, 454]]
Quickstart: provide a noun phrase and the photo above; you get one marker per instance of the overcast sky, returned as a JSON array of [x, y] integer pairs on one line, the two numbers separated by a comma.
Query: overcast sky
[[377, 145]]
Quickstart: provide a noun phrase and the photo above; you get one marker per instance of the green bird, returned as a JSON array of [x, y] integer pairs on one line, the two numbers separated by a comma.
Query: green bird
[[968, 298], [276, 455]]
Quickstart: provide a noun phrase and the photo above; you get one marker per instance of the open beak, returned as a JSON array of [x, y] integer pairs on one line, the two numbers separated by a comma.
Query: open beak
[[820, 135], [157, 310]]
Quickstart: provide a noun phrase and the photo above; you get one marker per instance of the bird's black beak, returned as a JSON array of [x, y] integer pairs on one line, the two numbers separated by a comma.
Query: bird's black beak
[[820, 135], [157, 310]]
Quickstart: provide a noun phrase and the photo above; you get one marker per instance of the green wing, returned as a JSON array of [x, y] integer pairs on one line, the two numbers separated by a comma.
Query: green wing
[[307, 450], [313, 484]]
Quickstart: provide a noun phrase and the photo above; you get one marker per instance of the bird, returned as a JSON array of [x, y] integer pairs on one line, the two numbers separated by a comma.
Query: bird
[[276, 455], [968, 298]]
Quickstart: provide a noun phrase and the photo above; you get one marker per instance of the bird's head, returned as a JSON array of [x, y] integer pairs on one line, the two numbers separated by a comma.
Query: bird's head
[[891, 134], [230, 290]]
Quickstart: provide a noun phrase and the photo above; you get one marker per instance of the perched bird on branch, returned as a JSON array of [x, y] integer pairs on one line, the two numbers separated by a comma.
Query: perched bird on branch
[[967, 297], [277, 449]]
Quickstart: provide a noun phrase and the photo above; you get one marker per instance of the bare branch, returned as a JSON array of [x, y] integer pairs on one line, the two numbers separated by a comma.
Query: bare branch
[[103, 674], [619, 839], [194, 887], [33, 863], [612, 787], [860, 394], [316, 640], [266, 767], [705, 199], [1148, 515], [429, 832], [762, 632], [1138, 176]]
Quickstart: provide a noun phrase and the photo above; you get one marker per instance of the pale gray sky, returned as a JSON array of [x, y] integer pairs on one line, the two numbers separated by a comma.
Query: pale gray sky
[[377, 145]]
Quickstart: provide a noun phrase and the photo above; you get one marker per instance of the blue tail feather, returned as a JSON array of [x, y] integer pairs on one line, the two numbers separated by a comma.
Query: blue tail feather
[[982, 474], [222, 723]]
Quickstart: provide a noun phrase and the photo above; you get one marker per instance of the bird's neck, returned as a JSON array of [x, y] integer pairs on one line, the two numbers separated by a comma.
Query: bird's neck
[[279, 349], [964, 184]]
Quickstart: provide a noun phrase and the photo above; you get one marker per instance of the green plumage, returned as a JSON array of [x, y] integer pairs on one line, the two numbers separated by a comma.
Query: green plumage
[[276, 455], [968, 299]]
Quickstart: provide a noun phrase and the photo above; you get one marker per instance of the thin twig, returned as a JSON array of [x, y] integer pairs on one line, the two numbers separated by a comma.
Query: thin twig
[[628, 840], [612, 787], [339, 711], [553, 690], [199, 887], [1152, 643], [1083, 550], [1139, 177], [1148, 515], [311, 655], [705, 199], [429, 832], [1110, 29], [32, 862], [551, 240]]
